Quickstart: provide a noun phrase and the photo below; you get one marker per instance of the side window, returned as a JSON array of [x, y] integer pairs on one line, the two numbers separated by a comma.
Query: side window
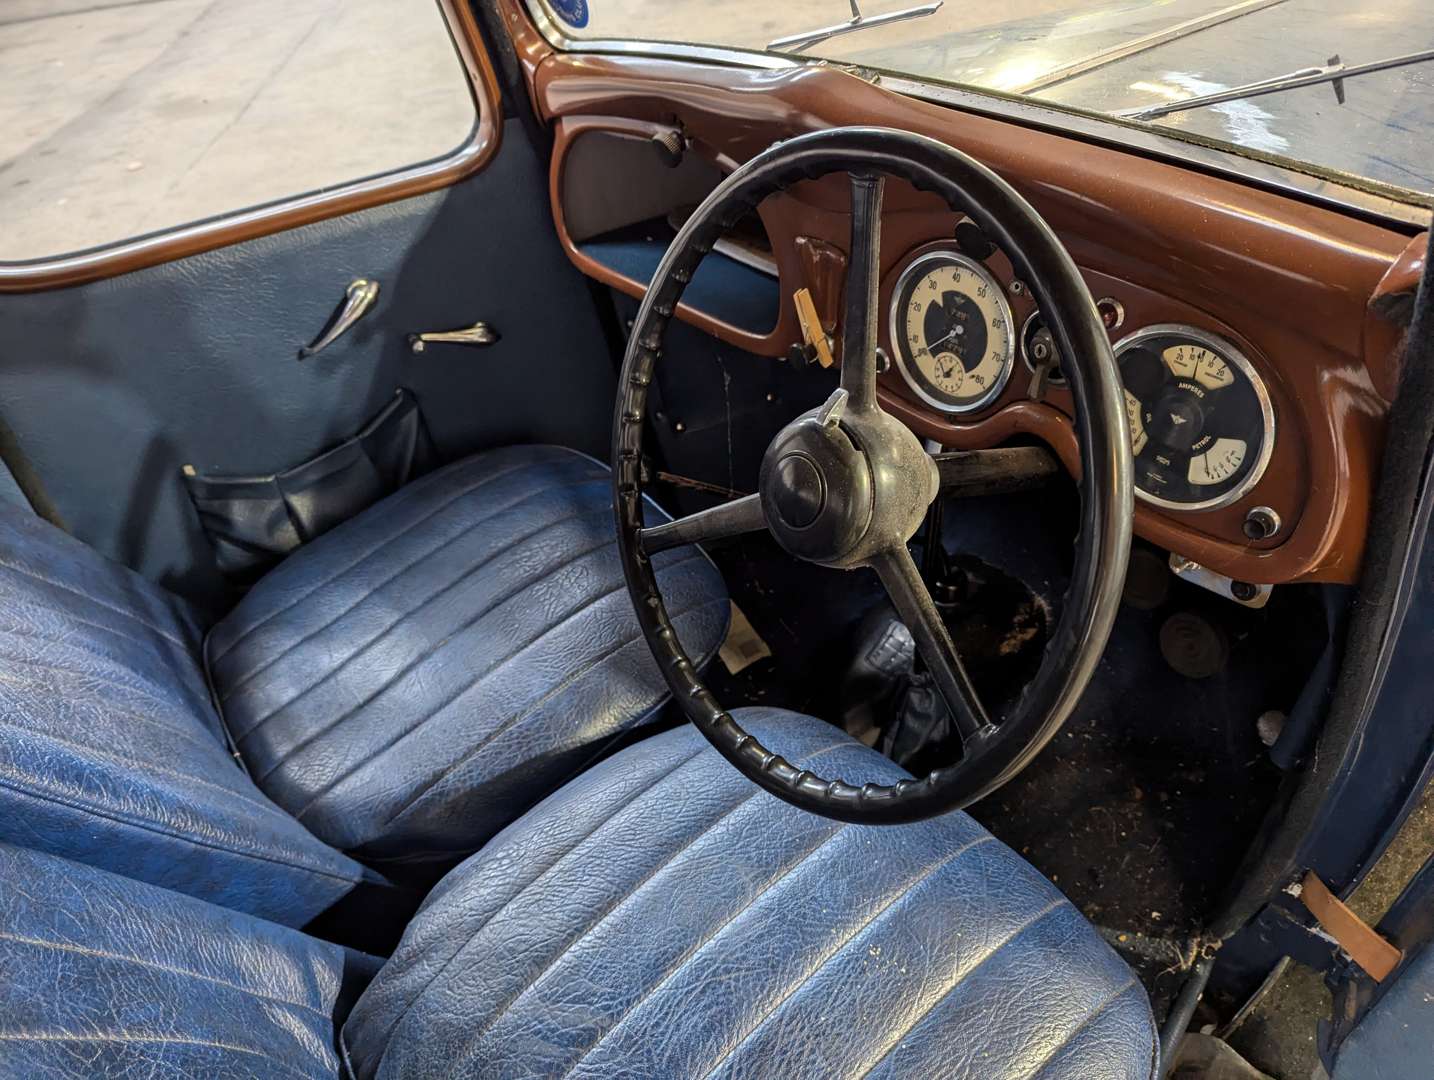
[[124, 118]]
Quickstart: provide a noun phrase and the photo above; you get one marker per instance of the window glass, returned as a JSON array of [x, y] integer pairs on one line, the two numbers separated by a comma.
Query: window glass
[[120, 118], [1185, 67]]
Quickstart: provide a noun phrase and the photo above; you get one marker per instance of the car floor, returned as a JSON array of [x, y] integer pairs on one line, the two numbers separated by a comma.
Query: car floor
[[1143, 806]]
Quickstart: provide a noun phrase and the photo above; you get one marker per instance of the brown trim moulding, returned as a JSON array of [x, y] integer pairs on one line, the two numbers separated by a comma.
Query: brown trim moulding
[[200, 236]]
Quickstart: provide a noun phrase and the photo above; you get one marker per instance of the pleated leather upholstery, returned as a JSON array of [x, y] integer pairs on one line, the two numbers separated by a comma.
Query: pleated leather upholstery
[[111, 752], [419, 676], [101, 976], [661, 917]]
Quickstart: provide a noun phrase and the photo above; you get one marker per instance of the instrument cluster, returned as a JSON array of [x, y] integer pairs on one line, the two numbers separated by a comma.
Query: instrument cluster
[[1202, 424]]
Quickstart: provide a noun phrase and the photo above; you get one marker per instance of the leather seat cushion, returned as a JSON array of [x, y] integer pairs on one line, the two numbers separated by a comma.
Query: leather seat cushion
[[661, 916], [108, 977], [410, 682], [111, 752]]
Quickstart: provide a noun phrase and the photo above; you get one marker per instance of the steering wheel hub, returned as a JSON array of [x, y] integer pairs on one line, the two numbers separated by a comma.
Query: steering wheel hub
[[816, 491], [836, 491]]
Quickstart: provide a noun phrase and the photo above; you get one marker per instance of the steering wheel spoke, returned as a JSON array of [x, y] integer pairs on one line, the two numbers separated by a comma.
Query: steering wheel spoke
[[733, 518], [863, 284], [914, 605], [995, 472]]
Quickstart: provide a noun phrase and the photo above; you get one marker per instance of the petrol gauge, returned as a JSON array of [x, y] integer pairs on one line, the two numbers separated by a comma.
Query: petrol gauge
[[1201, 424], [952, 331]]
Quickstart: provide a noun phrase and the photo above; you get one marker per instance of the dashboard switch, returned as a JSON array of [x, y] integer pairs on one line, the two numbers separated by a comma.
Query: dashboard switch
[[1261, 523], [1112, 312]]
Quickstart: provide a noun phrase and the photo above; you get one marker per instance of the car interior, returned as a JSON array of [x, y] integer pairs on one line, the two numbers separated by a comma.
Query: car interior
[[749, 566]]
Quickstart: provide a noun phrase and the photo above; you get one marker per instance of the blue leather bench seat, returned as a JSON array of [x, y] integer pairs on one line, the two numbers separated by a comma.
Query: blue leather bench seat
[[657, 916], [416, 678], [109, 977], [110, 751], [662, 916], [401, 688]]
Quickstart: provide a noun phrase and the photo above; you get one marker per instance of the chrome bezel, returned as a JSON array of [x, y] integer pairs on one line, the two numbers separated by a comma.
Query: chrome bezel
[[1232, 355], [949, 257]]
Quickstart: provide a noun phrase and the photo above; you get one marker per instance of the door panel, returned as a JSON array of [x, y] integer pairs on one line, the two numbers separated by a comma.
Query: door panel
[[113, 386]]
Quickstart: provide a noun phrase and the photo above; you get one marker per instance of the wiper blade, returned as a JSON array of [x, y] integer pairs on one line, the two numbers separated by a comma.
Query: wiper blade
[[1333, 72], [858, 21]]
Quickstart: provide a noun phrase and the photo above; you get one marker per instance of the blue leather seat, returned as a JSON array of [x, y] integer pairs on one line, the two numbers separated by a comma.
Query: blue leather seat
[[657, 916], [400, 688], [414, 679], [110, 751]]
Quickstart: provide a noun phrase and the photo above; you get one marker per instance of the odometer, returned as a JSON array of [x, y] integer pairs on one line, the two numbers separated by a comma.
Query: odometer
[[952, 331], [1201, 424]]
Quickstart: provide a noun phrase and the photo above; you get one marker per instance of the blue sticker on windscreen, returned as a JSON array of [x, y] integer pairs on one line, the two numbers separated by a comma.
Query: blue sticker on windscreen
[[572, 12]]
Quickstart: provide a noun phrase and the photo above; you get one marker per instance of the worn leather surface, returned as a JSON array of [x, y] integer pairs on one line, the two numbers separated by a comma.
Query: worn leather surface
[[111, 752], [107, 977], [113, 386], [660, 916], [412, 681], [1395, 1041]]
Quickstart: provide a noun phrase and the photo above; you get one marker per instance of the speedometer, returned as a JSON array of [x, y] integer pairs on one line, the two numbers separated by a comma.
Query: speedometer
[[952, 331], [1201, 424]]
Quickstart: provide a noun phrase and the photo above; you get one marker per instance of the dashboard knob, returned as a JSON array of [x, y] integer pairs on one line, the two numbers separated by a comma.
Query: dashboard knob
[[1261, 523], [670, 146]]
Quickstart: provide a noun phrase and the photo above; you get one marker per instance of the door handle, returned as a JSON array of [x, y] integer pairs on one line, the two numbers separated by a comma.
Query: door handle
[[358, 299], [480, 333]]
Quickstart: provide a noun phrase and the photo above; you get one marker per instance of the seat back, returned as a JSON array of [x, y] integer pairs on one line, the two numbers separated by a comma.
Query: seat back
[[111, 752]]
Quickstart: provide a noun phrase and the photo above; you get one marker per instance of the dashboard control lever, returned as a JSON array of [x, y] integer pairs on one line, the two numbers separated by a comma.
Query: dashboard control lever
[[480, 333]]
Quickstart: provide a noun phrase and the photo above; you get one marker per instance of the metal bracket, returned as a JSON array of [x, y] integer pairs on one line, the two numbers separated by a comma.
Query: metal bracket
[[1242, 592]]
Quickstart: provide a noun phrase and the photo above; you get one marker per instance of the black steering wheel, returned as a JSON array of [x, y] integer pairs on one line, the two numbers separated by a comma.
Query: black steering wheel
[[847, 485]]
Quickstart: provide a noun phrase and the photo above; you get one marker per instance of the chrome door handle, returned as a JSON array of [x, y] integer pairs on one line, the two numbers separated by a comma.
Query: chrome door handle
[[480, 333], [358, 299]]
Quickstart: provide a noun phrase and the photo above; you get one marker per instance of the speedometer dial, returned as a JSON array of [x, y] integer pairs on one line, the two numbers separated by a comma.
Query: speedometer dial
[[952, 331], [1201, 424]]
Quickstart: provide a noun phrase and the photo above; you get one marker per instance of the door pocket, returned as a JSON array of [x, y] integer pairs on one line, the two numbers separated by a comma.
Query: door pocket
[[254, 521]]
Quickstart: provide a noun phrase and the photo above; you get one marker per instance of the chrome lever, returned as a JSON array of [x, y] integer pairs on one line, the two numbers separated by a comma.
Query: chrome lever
[[480, 333], [358, 299]]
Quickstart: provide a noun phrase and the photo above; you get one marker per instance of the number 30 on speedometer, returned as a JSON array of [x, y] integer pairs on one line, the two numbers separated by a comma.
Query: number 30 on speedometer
[[952, 331]]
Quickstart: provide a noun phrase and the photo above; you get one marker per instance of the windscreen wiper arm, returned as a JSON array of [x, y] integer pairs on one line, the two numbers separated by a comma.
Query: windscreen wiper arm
[[858, 21], [1333, 72]]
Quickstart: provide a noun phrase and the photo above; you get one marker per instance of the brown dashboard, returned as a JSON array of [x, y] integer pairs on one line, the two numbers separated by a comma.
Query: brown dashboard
[[1299, 290]]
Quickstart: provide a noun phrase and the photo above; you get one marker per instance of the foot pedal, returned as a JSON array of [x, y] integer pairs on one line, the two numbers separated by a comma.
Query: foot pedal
[[744, 646]]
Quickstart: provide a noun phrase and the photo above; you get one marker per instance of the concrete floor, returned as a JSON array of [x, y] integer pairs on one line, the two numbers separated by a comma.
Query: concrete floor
[[123, 117]]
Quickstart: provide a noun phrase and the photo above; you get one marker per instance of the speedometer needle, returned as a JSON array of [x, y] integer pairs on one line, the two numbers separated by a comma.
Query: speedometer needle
[[941, 341]]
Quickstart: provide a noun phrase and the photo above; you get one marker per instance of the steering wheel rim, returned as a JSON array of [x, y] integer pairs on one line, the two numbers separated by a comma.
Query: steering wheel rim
[[991, 754]]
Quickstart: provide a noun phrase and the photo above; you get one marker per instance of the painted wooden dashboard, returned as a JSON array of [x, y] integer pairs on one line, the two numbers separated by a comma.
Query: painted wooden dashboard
[[1301, 290]]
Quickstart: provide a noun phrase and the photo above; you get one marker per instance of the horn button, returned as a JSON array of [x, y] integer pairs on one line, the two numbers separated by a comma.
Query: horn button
[[829, 500], [816, 490]]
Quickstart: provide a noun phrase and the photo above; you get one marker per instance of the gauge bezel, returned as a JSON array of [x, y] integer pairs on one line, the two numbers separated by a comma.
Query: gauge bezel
[[948, 257], [1228, 351]]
